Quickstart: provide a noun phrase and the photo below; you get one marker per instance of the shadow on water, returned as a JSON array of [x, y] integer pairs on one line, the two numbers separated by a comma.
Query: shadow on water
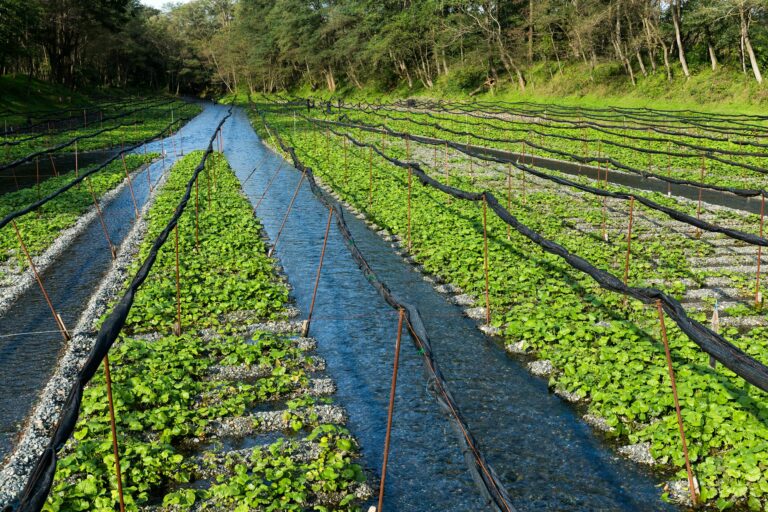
[[29, 342], [547, 458]]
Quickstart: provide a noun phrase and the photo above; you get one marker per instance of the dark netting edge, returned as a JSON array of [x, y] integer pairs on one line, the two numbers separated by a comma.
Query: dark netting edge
[[39, 484], [18, 213], [591, 159], [671, 212], [482, 473], [710, 342], [16, 142]]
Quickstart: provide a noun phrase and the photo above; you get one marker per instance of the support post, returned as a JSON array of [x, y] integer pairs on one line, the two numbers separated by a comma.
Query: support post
[[691, 484], [56, 317], [485, 263], [130, 186], [101, 219], [287, 212], [390, 410], [629, 238], [370, 179], [178, 284], [113, 425], [317, 276], [758, 295]]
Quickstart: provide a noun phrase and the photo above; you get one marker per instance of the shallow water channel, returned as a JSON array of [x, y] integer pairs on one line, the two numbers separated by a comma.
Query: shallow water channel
[[547, 458], [29, 341]]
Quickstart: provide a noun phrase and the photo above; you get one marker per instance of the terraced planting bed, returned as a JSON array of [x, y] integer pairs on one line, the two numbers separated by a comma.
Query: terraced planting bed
[[597, 348], [230, 413], [131, 123], [713, 152]]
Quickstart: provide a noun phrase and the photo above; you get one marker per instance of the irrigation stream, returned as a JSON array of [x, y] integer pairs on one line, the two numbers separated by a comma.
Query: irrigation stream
[[29, 341], [545, 455]]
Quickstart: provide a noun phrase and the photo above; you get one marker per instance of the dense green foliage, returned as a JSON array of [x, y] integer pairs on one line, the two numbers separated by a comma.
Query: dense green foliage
[[446, 46], [41, 229], [472, 46], [149, 119], [605, 350], [168, 403]]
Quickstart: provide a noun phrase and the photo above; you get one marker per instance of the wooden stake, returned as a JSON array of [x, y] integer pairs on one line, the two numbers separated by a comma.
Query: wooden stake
[[629, 238], [758, 297], [101, 219], [130, 186], [317, 276], [178, 284], [56, 317]]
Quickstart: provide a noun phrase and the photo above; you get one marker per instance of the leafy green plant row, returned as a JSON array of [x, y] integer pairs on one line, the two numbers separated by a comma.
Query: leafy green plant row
[[604, 351], [167, 403], [543, 135], [40, 228], [556, 211], [151, 121]]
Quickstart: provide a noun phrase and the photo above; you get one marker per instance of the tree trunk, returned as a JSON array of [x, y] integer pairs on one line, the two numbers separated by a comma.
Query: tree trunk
[[530, 31], [640, 61], [712, 56], [680, 51], [748, 45]]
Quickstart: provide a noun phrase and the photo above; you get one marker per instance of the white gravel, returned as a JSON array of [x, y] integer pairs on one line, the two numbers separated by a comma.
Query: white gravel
[[16, 282], [39, 425]]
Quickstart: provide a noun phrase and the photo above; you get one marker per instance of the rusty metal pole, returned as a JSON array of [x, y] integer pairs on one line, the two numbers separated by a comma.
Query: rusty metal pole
[[629, 238], [53, 165], [447, 172], [76, 162], [178, 284], [37, 176], [208, 181], [760, 251], [269, 184], [113, 425], [197, 213], [287, 212], [410, 179], [101, 219], [130, 186], [485, 263], [56, 317], [691, 485], [317, 276], [390, 410], [149, 171], [370, 178], [669, 168], [162, 152], [509, 198], [346, 168], [698, 208]]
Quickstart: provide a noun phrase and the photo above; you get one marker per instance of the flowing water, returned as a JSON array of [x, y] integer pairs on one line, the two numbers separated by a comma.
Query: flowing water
[[547, 458], [29, 341]]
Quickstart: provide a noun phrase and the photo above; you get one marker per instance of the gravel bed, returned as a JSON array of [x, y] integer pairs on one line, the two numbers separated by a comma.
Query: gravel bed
[[39, 426], [273, 421], [16, 283]]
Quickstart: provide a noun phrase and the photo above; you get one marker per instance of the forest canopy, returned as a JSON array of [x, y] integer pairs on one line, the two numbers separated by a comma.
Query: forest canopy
[[270, 45]]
